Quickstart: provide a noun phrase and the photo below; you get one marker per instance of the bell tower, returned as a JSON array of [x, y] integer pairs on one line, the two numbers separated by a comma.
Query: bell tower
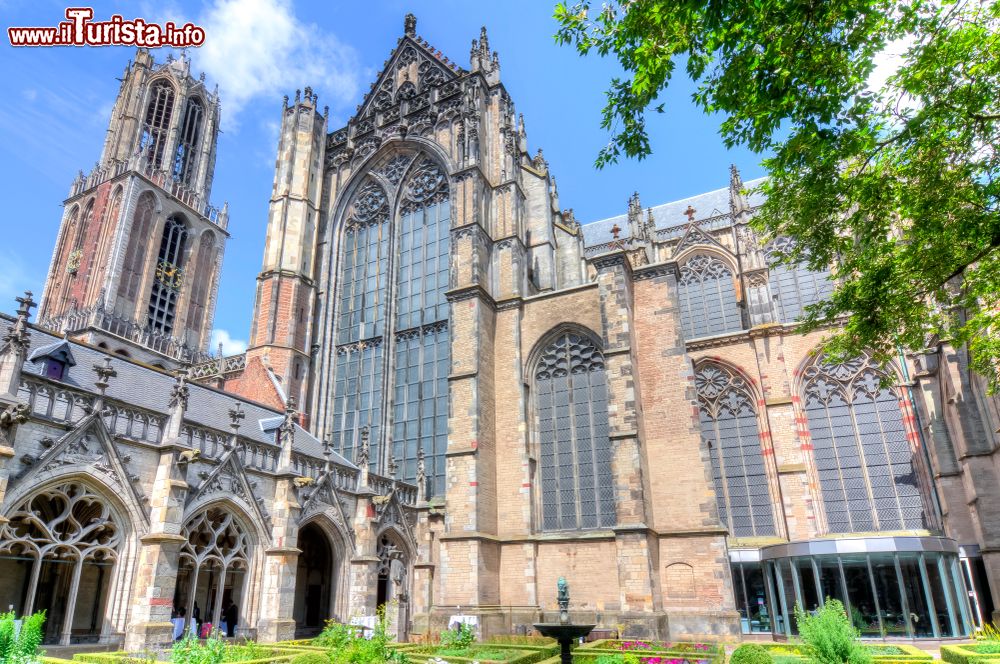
[[136, 263]]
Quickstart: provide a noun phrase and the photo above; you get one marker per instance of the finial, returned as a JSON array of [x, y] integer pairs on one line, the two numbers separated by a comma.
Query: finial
[[391, 466], [327, 448], [421, 475], [362, 455], [236, 416], [690, 213], [179, 391], [615, 230], [26, 304], [104, 373], [410, 25]]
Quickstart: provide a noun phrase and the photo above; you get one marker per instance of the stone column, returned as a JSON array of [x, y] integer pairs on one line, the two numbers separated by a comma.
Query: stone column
[[280, 565], [156, 576]]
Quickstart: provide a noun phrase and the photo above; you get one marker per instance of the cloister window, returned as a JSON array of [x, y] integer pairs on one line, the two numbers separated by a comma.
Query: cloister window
[[168, 276], [395, 234], [63, 537], [867, 470], [729, 428], [156, 124], [186, 159], [571, 409], [793, 287], [707, 297], [135, 255]]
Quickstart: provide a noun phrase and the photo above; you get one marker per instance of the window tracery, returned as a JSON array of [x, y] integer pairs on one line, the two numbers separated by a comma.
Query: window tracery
[[185, 159], [707, 297], [577, 487], [138, 246], [729, 428], [867, 471], [411, 250]]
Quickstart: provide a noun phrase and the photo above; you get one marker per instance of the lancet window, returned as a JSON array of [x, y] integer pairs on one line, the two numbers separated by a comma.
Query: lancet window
[[186, 159], [707, 297], [156, 124], [168, 277], [793, 287]]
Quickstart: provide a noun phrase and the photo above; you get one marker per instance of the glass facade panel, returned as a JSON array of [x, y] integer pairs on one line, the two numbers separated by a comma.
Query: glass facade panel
[[751, 598], [886, 594]]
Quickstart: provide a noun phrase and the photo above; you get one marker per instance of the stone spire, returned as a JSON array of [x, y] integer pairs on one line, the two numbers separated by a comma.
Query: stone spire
[[421, 476], [14, 348], [738, 203], [362, 456], [635, 224], [410, 25], [481, 59], [178, 403], [236, 416]]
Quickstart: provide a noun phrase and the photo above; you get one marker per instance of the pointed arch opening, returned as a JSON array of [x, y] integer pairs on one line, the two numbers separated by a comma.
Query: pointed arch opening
[[707, 293], [133, 267], [570, 400], [212, 569], [869, 475], [729, 428], [156, 123], [188, 140], [58, 553], [392, 354], [169, 276]]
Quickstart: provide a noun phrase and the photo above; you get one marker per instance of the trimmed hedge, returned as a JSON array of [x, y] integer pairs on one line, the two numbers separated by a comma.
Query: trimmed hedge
[[529, 656], [686, 647], [910, 654], [966, 654]]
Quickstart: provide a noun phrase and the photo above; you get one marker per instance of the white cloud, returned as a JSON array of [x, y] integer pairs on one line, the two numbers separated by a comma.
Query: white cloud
[[260, 48], [889, 61], [230, 346]]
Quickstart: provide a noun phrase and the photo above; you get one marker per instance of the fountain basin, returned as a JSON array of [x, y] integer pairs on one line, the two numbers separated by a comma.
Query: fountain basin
[[565, 634]]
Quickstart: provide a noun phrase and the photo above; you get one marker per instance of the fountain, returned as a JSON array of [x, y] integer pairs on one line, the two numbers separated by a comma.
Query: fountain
[[564, 631]]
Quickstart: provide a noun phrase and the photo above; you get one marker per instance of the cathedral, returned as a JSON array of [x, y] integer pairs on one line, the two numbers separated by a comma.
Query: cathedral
[[456, 392]]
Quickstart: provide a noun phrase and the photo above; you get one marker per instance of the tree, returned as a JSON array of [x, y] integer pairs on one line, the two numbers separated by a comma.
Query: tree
[[894, 184]]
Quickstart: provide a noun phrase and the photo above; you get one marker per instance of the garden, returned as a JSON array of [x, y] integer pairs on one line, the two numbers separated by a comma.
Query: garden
[[827, 636]]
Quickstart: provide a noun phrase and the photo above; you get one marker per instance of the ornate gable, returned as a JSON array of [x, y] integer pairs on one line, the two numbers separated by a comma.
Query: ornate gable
[[229, 479], [694, 236], [412, 70], [324, 497], [89, 447], [389, 513]]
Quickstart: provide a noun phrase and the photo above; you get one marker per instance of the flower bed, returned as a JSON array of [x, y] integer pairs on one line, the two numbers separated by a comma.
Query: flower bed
[[881, 653], [651, 652]]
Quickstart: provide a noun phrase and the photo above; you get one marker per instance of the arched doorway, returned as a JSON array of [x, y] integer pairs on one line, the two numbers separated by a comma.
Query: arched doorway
[[57, 554], [213, 565], [314, 581]]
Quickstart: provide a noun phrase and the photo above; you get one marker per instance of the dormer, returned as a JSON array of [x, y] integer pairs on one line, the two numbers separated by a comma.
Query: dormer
[[56, 359]]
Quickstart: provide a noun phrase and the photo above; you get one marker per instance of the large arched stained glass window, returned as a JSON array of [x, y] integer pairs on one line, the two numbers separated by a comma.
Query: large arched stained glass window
[[707, 297], [392, 320], [729, 428], [793, 287], [867, 471], [571, 407]]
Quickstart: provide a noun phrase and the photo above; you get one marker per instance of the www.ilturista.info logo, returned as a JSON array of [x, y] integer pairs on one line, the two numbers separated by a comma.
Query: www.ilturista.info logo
[[80, 30]]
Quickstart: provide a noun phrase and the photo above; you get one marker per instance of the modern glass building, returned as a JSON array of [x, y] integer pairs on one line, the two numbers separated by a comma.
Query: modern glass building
[[892, 587]]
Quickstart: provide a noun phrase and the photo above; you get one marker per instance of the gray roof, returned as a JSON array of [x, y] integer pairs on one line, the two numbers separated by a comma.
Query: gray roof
[[666, 215], [59, 350], [145, 387]]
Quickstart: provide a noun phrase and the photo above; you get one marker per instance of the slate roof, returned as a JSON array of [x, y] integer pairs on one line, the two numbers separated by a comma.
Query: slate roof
[[667, 215], [149, 388]]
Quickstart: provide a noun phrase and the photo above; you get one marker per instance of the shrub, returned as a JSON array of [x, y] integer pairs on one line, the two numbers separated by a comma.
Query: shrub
[[335, 636], [459, 638], [750, 653], [311, 658], [831, 636], [20, 648], [189, 650]]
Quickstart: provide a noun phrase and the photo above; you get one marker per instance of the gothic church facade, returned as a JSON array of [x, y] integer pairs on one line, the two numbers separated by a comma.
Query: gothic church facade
[[456, 393]]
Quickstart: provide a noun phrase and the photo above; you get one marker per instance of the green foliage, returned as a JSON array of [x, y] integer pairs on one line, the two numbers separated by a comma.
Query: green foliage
[[20, 648], [988, 632], [750, 653], [345, 645], [894, 182], [830, 636], [311, 658], [189, 650], [459, 638]]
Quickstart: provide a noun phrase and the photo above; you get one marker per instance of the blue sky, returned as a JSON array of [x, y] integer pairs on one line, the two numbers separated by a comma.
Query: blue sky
[[55, 105]]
